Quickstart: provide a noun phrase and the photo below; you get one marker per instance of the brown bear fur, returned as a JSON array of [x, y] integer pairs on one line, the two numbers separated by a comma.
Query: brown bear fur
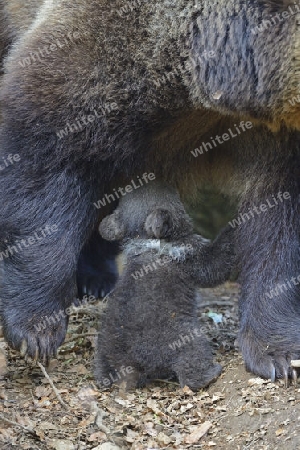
[[144, 70]]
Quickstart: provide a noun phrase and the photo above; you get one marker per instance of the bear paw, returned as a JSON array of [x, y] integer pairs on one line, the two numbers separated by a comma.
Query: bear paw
[[36, 337], [198, 379], [268, 360], [159, 224], [96, 282]]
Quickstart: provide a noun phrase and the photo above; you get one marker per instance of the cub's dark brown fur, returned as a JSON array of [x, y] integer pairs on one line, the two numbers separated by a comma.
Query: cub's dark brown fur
[[150, 328], [96, 93]]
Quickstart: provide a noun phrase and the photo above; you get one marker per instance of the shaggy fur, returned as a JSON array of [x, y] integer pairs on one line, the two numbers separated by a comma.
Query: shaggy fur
[[154, 304], [158, 97]]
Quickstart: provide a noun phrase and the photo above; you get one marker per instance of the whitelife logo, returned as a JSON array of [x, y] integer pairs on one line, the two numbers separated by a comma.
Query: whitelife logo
[[218, 140], [117, 193]]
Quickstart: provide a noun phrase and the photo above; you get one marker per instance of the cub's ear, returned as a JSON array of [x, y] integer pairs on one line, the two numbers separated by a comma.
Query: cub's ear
[[111, 228], [159, 224]]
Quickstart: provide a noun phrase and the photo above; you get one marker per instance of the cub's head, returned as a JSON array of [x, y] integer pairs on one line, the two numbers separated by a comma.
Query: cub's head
[[152, 211]]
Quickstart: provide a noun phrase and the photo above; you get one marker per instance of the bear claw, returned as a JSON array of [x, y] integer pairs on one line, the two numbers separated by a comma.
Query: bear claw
[[269, 361], [295, 377], [23, 348], [273, 374], [35, 343]]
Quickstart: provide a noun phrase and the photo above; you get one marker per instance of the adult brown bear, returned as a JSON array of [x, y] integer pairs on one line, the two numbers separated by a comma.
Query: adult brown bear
[[96, 93]]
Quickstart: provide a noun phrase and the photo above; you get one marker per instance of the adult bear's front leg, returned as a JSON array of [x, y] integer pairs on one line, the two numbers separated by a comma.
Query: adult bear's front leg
[[268, 249], [62, 169], [42, 232]]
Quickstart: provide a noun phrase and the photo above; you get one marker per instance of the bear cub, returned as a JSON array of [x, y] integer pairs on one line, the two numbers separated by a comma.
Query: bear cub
[[154, 304]]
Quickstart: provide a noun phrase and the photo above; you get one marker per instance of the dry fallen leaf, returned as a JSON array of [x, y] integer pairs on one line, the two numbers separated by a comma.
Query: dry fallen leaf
[[131, 436], [153, 405], [257, 381], [59, 444], [107, 446], [186, 390], [7, 432], [149, 429], [162, 438], [3, 395], [80, 369], [87, 421], [197, 434], [98, 436], [24, 421], [125, 403], [3, 365], [42, 391], [45, 426], [87, 394]]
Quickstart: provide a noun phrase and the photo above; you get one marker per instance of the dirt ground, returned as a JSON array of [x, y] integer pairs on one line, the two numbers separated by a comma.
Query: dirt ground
[[239, 411]]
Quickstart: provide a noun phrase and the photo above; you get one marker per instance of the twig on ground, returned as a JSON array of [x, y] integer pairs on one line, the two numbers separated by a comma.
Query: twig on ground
[[23, 427], [53, 387]]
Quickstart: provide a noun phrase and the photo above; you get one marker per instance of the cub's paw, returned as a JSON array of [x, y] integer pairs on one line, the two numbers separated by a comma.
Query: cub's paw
[[268, 360], [111, 228], [36, 336], [199, 377], [159, 224]]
